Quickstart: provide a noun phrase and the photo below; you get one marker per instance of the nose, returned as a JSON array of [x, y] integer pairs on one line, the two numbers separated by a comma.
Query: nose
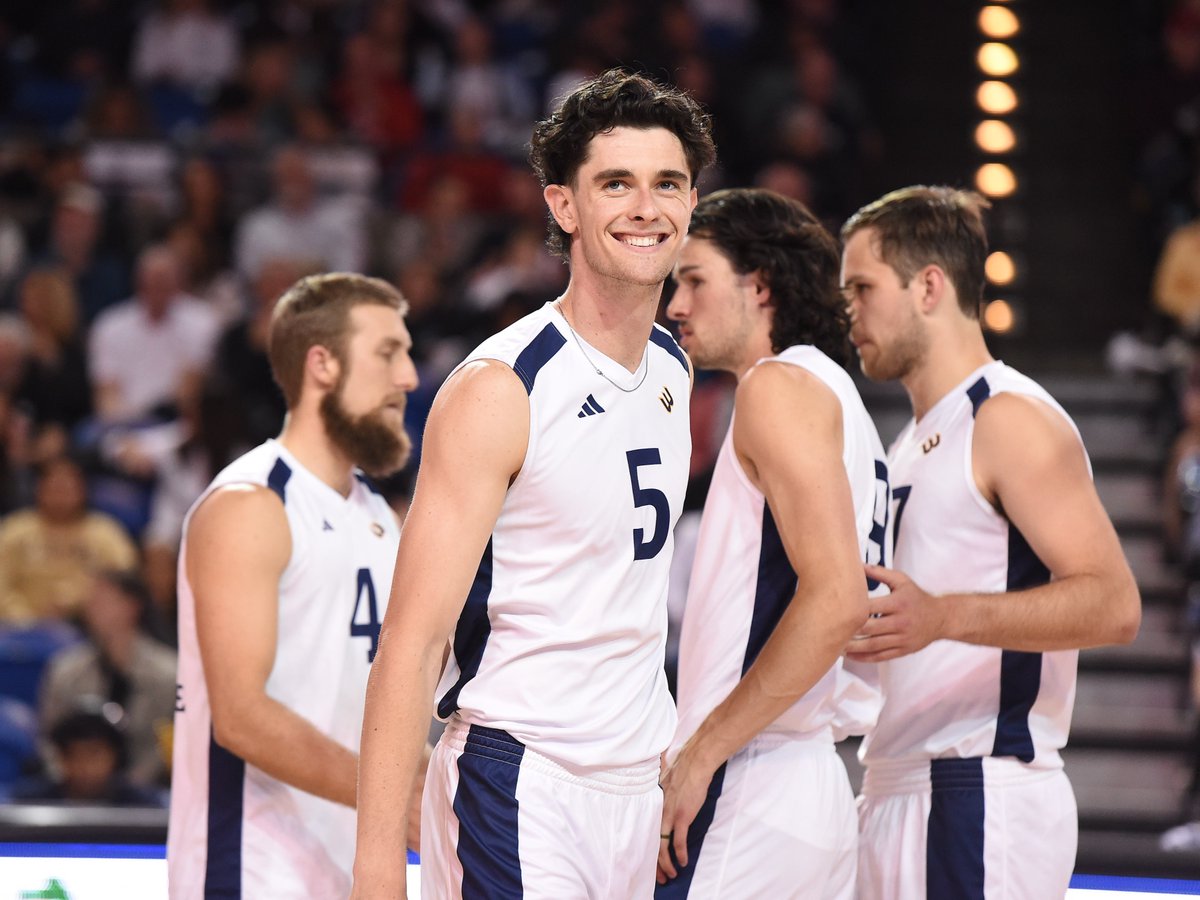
[[677, 308], [407, 378], [645, 208]]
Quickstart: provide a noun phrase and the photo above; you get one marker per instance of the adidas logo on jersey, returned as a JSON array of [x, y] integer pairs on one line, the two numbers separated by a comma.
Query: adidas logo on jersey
[[932, 442], [590, 407], [666, 399], [325, 526]]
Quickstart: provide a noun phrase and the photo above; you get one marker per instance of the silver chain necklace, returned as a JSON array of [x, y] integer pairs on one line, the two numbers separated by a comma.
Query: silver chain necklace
[[598, 370]]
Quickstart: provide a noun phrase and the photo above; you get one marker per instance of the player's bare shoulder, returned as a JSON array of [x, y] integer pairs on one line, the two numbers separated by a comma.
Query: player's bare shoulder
[[241, 516], [482, 410], [1018, 435], [778, 388]]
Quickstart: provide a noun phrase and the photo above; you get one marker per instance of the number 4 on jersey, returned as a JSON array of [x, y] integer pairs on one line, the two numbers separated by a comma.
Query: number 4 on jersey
[[369, 628]]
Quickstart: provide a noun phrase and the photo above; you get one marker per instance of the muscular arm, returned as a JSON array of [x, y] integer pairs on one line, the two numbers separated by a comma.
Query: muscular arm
[[1029, 464], [237, 548], [788, 437], [475, 442]]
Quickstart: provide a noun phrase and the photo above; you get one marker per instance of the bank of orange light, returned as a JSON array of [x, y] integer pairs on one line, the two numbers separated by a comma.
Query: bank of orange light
[[997, 60]]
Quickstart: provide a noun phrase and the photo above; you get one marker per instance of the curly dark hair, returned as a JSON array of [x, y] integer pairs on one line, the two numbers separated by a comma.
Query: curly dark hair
[[616, 98], [762, 231], [920, 225]]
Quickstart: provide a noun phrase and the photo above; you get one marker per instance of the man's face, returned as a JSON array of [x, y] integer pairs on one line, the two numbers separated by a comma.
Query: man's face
[[713, 305], [61, 492], [88, 767], [629, 208], [364, 414], [158, 282], [888, 331]]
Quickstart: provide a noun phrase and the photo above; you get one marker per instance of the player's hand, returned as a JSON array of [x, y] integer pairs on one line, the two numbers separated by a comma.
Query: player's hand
[[685, 787], [902, 622]]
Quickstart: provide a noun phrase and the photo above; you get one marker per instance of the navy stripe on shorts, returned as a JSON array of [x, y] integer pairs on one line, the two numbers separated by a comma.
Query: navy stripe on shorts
[[486, 806], [954, 842]]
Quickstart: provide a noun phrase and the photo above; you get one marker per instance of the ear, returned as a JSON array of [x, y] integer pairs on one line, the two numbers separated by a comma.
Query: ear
[[762, 290], [322, 366], [561, 201], [933, 286], [693, 199]]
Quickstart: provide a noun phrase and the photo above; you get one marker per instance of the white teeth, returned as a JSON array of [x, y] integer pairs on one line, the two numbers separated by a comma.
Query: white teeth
[[647, 241]]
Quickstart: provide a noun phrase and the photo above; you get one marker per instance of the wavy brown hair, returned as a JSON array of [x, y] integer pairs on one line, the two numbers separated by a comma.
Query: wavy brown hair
[[795, 255], [616, 98], [919, 226]]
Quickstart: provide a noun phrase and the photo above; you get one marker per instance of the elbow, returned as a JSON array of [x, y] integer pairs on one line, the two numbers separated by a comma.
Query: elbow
[[1126, 617], [1130, 620], [854, 613], [228, 732]]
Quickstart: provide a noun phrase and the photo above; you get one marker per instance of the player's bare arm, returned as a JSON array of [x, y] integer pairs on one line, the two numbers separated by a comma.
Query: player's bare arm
[[475, 442], [238, 547], [788, 437], [1030, 466]]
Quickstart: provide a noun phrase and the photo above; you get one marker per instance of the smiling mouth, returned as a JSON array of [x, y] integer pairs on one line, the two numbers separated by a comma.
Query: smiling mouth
[[640, 240]]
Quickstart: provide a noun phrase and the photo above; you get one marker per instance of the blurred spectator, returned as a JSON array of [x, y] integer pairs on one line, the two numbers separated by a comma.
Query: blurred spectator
[[152, 348], [118, 112], [464, 157], [203, 275], [49, 553], [326, 235], [100, 278], [13, 250], [240, 365], [521, 264], [269, 76], [726, 24], [83, 40], [492, 93], [90, 755], [373, 98], [14, 350], [186, 44], [54, 390], [444, 231], [119, 668], [1177, 278], [203, 202], [788, 178], [214, 434]]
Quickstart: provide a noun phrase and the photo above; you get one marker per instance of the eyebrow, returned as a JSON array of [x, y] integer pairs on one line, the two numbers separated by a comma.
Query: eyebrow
[[683, 270], [663, 174]]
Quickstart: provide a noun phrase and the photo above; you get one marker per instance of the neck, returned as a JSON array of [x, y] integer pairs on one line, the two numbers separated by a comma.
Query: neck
[[305, 438], [756, 349], [617, 323], [952, 355]]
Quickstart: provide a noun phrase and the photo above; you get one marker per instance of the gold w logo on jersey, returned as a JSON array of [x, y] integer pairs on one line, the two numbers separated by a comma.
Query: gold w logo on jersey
[[666, 399], [932, 442]]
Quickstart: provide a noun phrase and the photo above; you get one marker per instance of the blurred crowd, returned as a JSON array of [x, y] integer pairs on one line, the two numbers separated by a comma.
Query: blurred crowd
[[169, 167]]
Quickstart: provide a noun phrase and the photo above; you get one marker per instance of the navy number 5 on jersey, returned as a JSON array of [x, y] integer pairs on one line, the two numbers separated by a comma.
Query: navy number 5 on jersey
[[647, 496]]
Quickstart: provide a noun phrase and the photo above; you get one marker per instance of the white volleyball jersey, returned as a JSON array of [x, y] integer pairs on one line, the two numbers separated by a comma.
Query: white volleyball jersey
[[742, 580], [234, 830], [953, 699], [562, 637]]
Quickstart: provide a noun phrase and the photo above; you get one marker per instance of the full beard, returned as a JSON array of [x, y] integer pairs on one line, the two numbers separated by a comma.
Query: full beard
[[375, 447]]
